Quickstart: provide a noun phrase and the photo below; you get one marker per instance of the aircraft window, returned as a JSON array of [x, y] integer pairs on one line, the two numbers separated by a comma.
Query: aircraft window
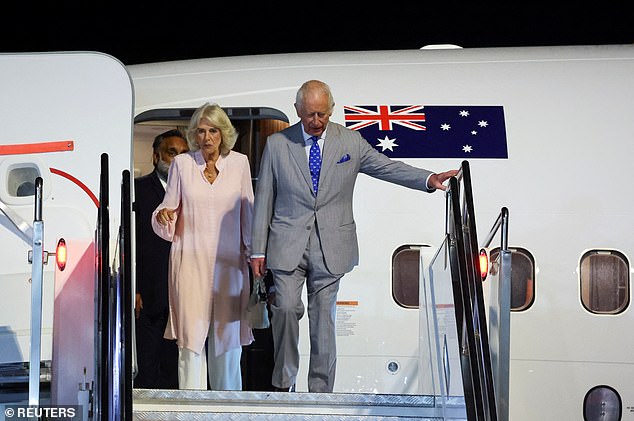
[[21, 180], [602, 403], [406, 276], [522, 277], [605, 283]]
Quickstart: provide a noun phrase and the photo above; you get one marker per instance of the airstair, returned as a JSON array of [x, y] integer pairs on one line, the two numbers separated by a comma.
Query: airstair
[[210, 405]]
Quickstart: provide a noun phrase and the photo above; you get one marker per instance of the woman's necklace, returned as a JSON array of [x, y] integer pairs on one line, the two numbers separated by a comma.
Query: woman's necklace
[[211, 175]]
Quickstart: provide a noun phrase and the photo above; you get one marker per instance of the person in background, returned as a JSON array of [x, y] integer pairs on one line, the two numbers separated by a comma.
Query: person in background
[[206, 214], [304, 230], [157, 358]]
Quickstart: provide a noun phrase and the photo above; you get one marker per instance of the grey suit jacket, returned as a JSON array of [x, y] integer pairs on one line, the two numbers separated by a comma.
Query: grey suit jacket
[[286, 208]]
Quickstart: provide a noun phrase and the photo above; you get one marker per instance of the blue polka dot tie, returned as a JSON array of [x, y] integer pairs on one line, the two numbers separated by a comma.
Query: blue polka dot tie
[[314, 163]]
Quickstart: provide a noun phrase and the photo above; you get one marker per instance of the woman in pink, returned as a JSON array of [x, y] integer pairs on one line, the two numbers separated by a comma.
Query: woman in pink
[[206, 214]]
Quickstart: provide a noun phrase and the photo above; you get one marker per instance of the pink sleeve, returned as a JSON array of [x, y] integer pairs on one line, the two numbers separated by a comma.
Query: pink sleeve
[[172, 200]]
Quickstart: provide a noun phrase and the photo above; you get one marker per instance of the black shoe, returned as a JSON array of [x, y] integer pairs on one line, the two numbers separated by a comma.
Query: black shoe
[[284, 389]]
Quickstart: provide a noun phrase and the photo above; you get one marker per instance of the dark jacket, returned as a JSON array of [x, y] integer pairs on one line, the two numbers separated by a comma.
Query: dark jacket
[[152, 252]]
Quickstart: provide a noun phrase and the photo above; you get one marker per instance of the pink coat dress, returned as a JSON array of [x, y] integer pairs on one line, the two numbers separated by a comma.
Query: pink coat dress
[[211, 240]]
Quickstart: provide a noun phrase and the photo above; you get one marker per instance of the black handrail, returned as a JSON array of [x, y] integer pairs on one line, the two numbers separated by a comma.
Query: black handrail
[[102, 397], [125, 290], [463, 305], [477, 297], [502, 224], [469, 301]]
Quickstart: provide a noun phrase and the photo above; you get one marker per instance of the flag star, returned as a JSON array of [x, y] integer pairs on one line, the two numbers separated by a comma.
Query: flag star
[[467, 148], [445, 126], [387, 143], [464, 113], [474, 132], [483, 123]]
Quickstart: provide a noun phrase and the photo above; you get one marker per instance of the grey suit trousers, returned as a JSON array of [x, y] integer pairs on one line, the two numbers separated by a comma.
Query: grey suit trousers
[[321, 287]]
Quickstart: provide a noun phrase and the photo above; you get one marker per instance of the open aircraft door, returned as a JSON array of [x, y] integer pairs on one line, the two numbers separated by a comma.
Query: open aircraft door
[[61, 112]]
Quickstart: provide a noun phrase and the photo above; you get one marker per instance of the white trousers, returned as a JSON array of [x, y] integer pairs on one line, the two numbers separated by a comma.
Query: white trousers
[[224, 370]]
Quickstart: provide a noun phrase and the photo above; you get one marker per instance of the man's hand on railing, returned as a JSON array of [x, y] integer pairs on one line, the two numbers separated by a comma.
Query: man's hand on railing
[[436, 181]]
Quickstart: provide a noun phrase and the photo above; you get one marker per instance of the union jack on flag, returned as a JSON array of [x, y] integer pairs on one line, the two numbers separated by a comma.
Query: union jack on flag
[[431, 131], [385, 116]]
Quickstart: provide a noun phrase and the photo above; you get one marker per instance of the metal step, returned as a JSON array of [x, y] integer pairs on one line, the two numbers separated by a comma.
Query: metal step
[[151, 404]]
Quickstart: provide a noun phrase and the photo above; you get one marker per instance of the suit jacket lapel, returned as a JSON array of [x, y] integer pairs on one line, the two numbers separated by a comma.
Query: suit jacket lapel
[[331, 153], [157, 186], [297, 149]]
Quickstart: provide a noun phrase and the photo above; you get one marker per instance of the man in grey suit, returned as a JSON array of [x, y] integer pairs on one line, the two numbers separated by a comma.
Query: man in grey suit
[[304, 230]]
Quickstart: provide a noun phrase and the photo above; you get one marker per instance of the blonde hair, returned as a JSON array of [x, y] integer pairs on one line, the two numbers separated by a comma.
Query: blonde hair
[[217, 117]]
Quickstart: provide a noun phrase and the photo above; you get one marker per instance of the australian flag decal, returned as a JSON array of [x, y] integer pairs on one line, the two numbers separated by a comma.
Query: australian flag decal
[[436, 131]]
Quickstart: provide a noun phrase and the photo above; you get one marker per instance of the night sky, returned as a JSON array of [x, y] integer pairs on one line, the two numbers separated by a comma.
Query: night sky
[[162, 31]]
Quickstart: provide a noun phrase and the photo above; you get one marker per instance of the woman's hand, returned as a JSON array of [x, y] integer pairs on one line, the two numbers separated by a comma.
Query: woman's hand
[[164, 216]]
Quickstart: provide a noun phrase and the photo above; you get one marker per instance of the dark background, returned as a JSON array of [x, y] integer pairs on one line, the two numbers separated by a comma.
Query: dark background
[[141, 32]]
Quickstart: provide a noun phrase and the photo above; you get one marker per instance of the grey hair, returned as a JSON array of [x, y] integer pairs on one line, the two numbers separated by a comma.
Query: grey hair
[[316, 85]]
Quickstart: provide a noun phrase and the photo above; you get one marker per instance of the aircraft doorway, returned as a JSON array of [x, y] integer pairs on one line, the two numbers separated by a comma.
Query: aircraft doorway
[[253, 125]]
